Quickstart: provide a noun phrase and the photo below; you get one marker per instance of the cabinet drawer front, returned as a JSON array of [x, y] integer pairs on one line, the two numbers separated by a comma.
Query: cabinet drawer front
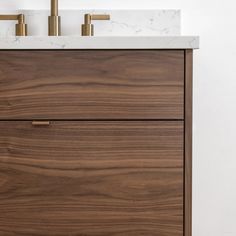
[[93, 178], [92, 84]]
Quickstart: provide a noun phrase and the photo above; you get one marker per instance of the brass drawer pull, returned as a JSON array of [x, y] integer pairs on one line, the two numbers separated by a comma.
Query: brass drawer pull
[[40, 123]]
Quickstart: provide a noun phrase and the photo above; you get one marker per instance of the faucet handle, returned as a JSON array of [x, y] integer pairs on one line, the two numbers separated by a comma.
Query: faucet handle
[[88, 27], [100, 17], [21, 27]]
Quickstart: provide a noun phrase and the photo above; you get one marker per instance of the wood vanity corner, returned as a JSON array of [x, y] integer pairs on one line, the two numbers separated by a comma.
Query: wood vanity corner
[[95, 142]]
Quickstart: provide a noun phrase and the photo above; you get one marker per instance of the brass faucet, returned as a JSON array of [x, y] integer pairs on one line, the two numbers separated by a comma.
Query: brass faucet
[[21, 27], [54, 21], [88, 27]]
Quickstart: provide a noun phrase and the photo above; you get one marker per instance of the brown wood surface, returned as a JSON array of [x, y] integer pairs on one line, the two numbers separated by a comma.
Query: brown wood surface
[[188, 141], [104, 84], [91, 178]]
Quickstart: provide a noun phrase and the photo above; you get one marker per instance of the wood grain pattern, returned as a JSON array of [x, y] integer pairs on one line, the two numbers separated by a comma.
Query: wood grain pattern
[[91, 178], [188, 141], [104, 84]]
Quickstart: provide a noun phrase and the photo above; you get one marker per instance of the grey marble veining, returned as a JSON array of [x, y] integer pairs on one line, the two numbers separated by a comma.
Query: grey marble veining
[[122, 23], [100, 42]]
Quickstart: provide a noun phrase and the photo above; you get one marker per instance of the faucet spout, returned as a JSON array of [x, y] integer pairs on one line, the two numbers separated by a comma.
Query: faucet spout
[[54, 21], [54, 7]]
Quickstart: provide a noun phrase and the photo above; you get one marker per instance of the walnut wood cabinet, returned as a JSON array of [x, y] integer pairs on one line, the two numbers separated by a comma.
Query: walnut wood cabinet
[[95, 142]]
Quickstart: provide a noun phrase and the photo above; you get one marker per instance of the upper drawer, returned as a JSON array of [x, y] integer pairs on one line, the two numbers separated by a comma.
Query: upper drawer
[[92, 84]]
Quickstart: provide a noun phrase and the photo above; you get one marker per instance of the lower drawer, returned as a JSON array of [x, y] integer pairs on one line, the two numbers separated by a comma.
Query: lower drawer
[[91, 178]]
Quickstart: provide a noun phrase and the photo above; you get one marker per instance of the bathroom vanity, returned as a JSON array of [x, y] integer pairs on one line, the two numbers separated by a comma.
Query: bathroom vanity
[[96, 136]]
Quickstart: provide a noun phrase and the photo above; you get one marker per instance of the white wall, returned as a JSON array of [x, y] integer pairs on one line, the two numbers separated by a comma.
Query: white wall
[[214, 193]]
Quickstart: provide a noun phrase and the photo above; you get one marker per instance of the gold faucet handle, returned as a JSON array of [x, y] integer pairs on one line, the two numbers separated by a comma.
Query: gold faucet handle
[[21, 27], [100, 17], [88, 27]]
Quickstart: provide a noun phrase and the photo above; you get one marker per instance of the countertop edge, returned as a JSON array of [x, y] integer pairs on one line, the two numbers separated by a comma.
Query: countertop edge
[[101, 42]]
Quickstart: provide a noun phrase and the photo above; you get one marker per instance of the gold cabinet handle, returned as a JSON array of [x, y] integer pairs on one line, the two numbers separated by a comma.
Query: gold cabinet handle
[[40, 123], [88, 28], [21, 27]]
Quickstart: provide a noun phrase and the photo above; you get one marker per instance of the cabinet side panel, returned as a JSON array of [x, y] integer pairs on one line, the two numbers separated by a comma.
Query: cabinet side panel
[[188, 142]]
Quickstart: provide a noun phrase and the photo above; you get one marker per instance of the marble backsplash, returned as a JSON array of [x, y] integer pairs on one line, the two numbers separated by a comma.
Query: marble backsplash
[[123, 22]]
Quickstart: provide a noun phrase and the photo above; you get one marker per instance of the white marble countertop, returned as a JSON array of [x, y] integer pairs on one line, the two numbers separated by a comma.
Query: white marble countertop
[[99, 42], [155, 22]]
